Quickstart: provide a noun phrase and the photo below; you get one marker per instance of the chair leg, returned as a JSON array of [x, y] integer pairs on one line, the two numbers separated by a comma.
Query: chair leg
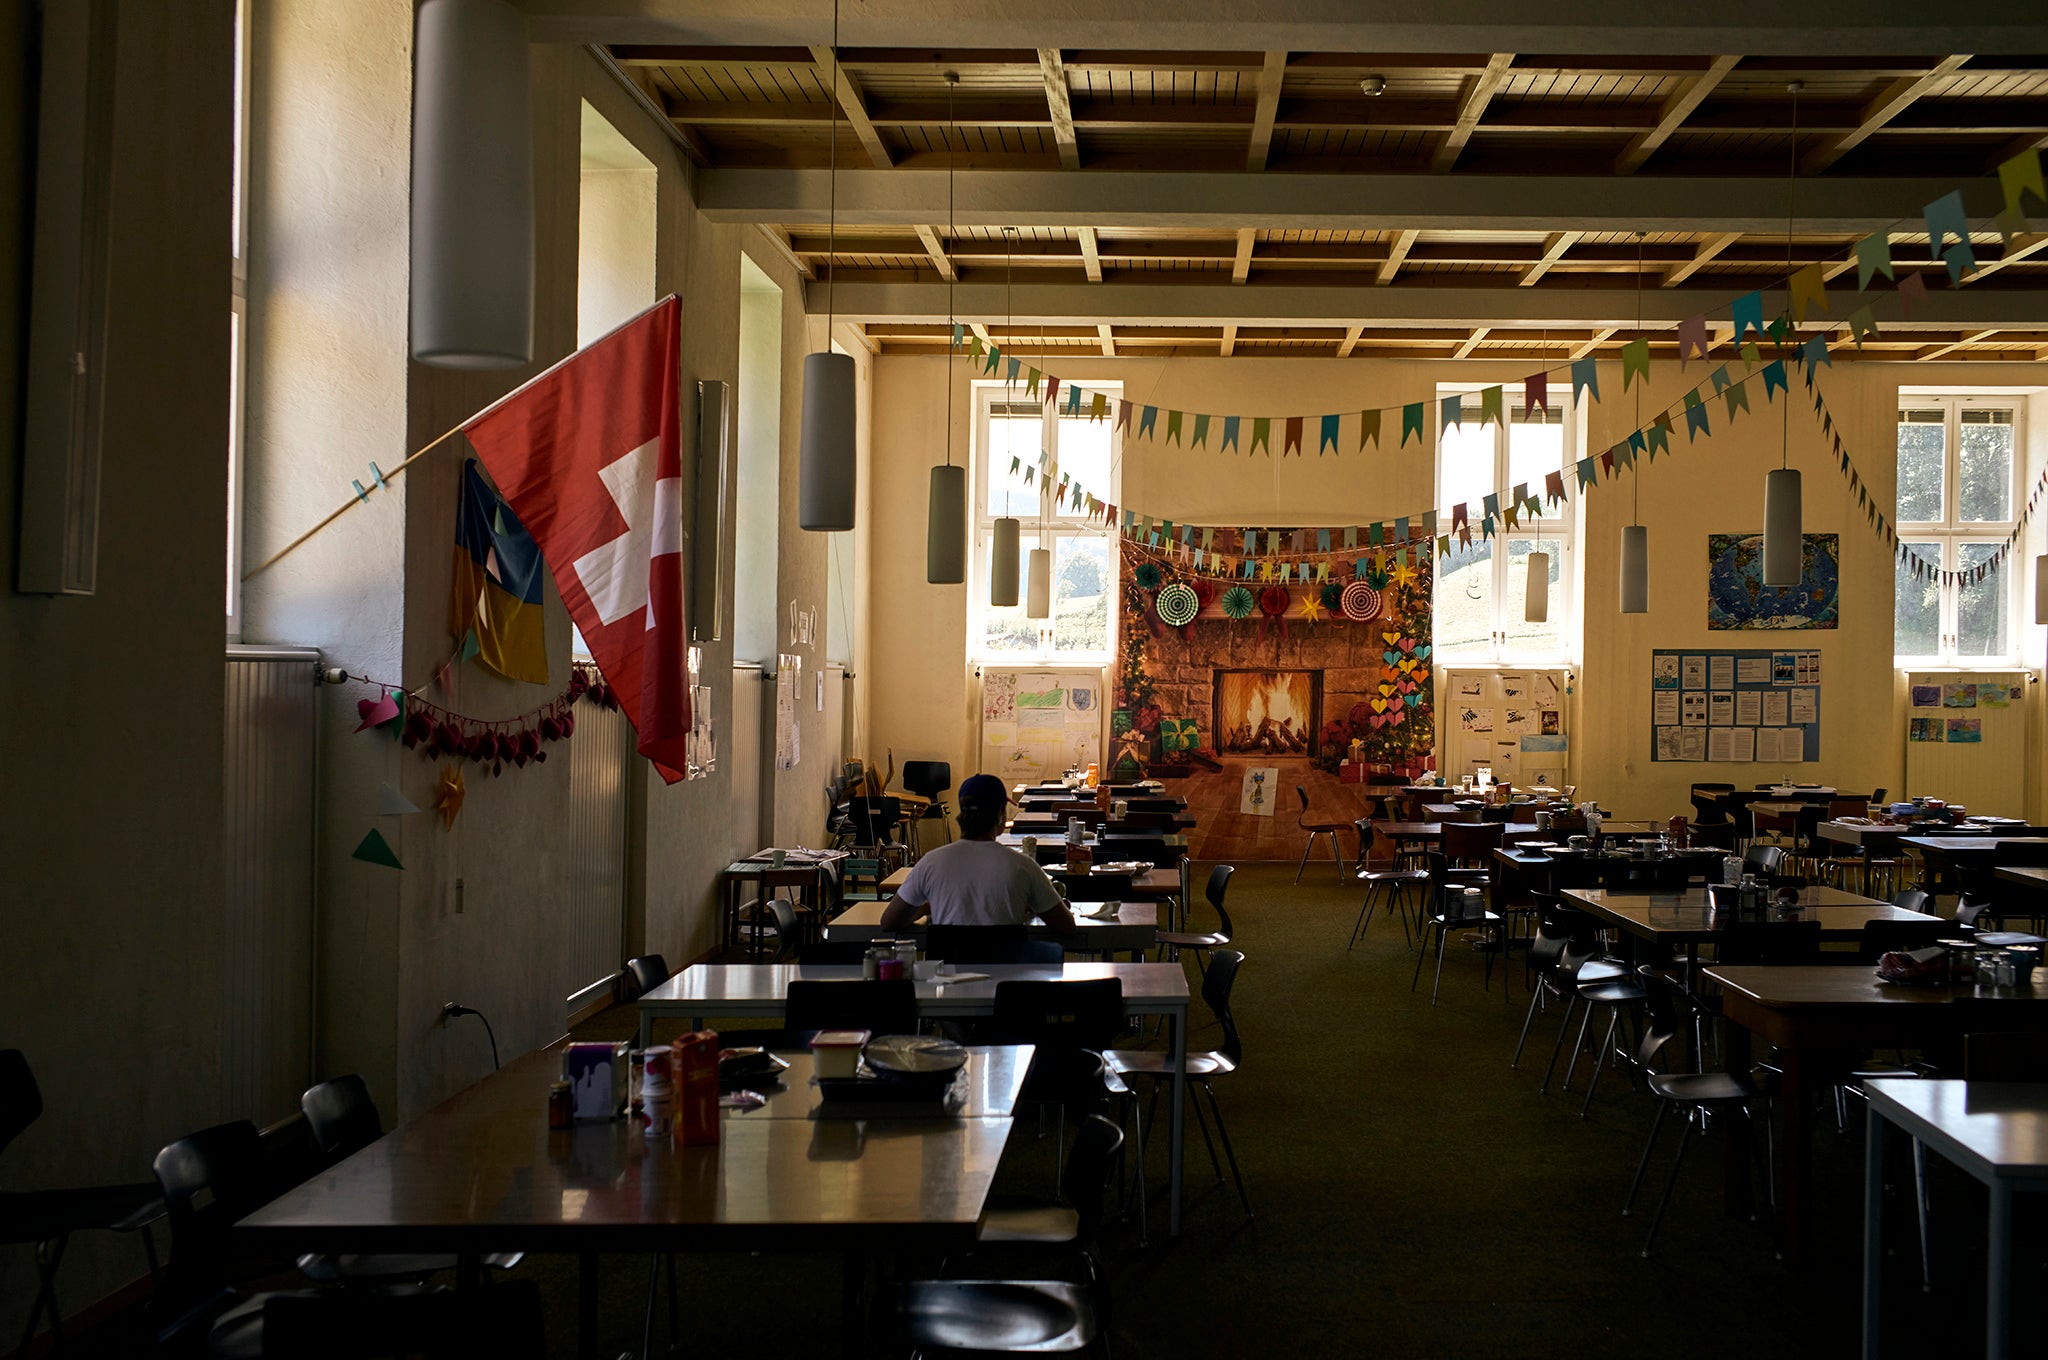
[[1201, 1123], [1442, 931], [1364, 913], [1337, 858], [1420, 955], [1304, 857], [1229, 1152], [1585, 1028], [1656, 1122], [1920, 1208], [49, 1255], [1564, 1025], [1606, 1050], [1684, 1133], [1535, 997]]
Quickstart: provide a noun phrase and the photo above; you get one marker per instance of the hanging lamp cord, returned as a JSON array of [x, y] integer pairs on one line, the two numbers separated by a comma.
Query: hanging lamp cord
[[1791, 189], [832, 185], [954, 274], [1636, 482]]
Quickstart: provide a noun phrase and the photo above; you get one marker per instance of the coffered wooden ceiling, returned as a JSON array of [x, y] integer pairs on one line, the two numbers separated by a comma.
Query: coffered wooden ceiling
[[1480, 204]]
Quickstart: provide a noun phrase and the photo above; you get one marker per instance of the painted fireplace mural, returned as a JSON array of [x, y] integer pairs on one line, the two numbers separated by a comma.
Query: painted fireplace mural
[[1234, 693]]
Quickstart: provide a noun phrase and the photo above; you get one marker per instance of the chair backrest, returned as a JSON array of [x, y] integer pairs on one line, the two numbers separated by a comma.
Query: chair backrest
[[1763, 859], [210, 1180], [1472, 842], [1846, 807], [1522, 814], [1879, 938], [1913, 899], [1059, 1015], [1661, 1017], [21, 1100], [646, 973], [1547, 949], [1084, 1183], [1217, 983], [1657, 875], [1301, 792], [1718, 835], [1167, 805], [503, 1321], [1768, 942], [1154, 850], [1216, 890], [2002, 1056], [342, 1116], [928, 777], [1093, 887], [975, 944], [1051, 850], [1707, 809], [1968, 912], [1134, 820], [881, 1007], [874, 818], [1877, 795]]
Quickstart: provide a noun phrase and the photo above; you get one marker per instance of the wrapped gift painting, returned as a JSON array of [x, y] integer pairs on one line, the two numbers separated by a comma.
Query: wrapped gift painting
[[1178, 736]]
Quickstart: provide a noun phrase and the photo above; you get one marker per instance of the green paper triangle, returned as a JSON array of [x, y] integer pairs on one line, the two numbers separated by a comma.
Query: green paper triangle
[[376, 850], [470, 646]]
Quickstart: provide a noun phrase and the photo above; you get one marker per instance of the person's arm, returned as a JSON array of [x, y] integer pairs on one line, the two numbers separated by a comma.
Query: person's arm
[[1047, 905], [909, 903]]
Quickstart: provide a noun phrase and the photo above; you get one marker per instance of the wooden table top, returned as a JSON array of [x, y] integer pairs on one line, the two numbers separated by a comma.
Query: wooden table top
[[758, 989], [1968, 845], [1057, 822], [1824, 987], [2001, 1127], [482, 1171], [2024, 875], [991, 1085], [1136, 927], [1057, 836], [1684, 915], [1153, 882], [1434, 831]]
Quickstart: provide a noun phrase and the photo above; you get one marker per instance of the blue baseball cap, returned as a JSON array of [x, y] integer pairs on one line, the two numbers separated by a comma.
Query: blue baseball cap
[[983, 791]]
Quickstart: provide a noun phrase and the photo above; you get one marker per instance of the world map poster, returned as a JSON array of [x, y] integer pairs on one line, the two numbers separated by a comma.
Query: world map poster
[[1738, 598]]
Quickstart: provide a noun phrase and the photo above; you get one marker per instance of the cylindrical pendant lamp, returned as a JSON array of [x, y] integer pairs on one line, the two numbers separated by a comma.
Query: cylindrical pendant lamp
[[1536, 594], [2041, 590], [1784, 549], [472, 186], [1002, 567], [1038, 587], [945, 527], [825, 483], [1635, 569]]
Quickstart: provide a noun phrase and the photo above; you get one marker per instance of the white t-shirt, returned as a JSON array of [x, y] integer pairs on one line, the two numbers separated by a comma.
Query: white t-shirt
[[978, 883]]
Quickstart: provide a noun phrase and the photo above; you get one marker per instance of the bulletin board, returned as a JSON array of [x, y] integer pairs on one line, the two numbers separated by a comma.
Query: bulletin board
[[1962, 728], [1038, 721], [1741, 707], [1512, 722]]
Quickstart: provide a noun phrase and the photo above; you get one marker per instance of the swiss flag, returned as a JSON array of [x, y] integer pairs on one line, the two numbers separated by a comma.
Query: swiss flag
[[589, 456]]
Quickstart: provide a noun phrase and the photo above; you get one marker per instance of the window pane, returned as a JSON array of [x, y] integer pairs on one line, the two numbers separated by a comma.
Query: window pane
[[1082, 577], [1981, 615], [1535, 449], [1084, 455], [1006, 629], [1922, 464], [1012, 436], [1984, 477], [1916, 618], [1542, 639], [1464, 599], [1465, 467]]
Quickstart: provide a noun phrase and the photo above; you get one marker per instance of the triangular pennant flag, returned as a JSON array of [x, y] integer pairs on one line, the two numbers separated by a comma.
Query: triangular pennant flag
[[1536, 392], [1031, 377], [1368, 428], [1553, 486], [1351, 536], [1291, 440], [1813, 354], [1635, 361], [1658, 437], [392, 803], [1327, 437], [994, 357], [1873, 257], [1738, 398], [1173, 427], [374, 849], [974, 349], [1411, 422], [1912, 290], [1147, 421], [1010, 373], [1453, 411], [1201, 431], [1961, 259], [1098, 406], [1747, 312], [1585, 378], [1774, 377], [1945, 218], [1809, 290], [1123, 414], [1588, 472], [1861, 324], [2020, 175], [1229, 433], [1692, 338], [1490, 406], [1695, 417]]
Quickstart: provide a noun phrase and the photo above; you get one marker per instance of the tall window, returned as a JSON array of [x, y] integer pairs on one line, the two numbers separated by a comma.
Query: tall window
[[1481, 589], [1959, 469], [238, 314], [1009, 425]]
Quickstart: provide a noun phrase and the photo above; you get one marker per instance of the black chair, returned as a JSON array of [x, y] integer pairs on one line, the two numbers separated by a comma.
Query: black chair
[[1768, 942], [646, 973], [47, 1218], [928, 778], [875, 822], [1386, 882], [506, 1322], [1696, 1092], [1595, 983], [1201, 942], [880, 1007], [1319, 826], [1452, 909], [1766, 861], [1201, 1068], [1718, 836], [1879, 938], [771, 921], [1071, 1025], [1153, 850]]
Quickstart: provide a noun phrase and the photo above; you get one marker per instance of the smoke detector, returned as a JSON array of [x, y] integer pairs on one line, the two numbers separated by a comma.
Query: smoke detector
[[1373, 85]]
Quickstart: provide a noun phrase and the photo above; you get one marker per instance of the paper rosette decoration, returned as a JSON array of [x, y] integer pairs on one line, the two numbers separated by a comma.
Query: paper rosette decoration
[[1205, 591], [1333, 596], [1149, 576], [1238, 603], [1361, 601], [1274, 601], [1177, 605]]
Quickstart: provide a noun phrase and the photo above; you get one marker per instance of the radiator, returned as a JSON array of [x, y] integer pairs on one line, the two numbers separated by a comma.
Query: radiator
[[270, 772], [600, 756]]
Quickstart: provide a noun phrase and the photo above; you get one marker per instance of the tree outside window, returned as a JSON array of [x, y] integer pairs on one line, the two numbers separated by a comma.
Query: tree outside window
[[1959, 465], [1481, 587]]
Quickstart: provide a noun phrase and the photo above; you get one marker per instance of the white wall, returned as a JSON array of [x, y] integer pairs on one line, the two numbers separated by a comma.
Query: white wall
[[757, 487], [615, 229]]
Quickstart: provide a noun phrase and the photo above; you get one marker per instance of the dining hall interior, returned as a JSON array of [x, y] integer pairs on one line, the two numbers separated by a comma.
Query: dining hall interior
[[902, 677]]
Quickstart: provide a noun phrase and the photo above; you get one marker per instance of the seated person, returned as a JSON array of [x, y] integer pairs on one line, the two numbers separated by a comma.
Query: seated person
[[975, 881]]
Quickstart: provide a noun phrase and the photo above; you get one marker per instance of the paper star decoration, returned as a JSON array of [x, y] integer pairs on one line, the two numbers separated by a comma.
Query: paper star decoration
[[1403, 574], [448, 793], [1311, 608]]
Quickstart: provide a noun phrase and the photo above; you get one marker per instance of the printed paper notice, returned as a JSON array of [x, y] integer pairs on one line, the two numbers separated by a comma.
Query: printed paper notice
[[1752, 670], [1775, 709], [1749, 706], [1667, 743], [1720, 743], [1692, 743], [1693, 672], [1664, 707], [1721, 672], [1721, 709], [1805, 706], [1693, 709], [1742, 743]]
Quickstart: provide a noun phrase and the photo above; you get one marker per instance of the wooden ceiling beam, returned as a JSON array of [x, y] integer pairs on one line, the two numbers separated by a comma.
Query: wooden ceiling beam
[[1396, 254], [1479, 91], [1059, 105], [1107, 335], [2023, 246], [1471, 343], [1705, 251], [1554, 247], [1229, 339], [1350, 341], [1272, 75], [1241, 266], [1672, 115], [1879, 111], [1593, 342], [833, 77], [1942, 351], [778, 241], [937, 250], [1091, 254]]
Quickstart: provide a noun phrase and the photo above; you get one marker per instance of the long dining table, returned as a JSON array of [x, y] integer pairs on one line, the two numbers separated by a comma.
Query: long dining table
[[1134, 929], [760, 991]]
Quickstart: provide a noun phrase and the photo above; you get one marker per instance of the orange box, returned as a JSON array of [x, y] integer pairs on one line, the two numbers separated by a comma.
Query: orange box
[[694, 1069]]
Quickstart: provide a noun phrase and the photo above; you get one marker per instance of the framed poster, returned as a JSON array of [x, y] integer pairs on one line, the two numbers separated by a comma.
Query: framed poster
[[1737, 597]]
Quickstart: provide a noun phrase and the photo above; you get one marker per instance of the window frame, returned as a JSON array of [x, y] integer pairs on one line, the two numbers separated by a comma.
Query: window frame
[[1559, 524], [1046, 530], [238, 322], [1952, 534]]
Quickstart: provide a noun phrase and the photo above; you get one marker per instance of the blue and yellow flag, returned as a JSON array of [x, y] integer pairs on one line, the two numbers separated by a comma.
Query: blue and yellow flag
[[498, 575]]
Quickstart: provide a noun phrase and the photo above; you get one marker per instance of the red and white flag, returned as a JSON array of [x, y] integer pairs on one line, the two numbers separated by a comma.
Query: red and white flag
[[589, 455]]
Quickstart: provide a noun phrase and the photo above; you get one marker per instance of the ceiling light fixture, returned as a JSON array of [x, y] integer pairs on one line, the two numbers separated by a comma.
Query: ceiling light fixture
[[1784, 545], [1635, 538], [828, 463], [945, 529], [1005, 540]]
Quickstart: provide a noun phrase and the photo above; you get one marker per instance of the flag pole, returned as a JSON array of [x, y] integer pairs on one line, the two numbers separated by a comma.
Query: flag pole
[[288, 549]]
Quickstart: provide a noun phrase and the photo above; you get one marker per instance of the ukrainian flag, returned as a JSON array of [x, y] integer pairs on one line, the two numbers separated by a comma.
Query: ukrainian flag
[[498, 575]]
